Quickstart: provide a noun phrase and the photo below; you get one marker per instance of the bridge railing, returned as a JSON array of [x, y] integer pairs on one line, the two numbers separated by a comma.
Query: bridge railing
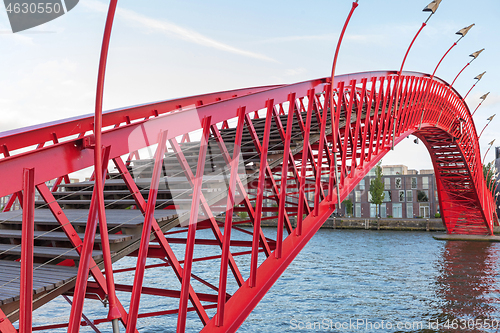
[[365, 120]]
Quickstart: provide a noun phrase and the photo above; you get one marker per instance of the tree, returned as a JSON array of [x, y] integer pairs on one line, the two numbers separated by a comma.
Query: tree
[[348, 206], [489, 171], [377, 189]]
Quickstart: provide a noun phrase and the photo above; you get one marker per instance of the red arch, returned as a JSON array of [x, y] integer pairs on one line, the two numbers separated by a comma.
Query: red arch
[[366, 121]]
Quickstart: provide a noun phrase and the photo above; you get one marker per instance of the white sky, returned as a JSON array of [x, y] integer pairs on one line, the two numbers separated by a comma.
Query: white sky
[[165, 49]]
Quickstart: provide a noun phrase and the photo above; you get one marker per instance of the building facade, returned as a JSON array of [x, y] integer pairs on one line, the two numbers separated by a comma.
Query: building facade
[[497, 165], [407, 194]]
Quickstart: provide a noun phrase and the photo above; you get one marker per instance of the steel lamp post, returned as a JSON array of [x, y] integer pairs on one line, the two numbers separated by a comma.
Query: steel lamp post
[[478, 78], [490, 145], [335, 125], [474, 57], [432, 7], [482, 98], [489, 121], [462, 33]]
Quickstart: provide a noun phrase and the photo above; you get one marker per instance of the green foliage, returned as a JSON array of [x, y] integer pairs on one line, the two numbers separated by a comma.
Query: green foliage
[[377, 188], [489, 172], [348, 206], [421, 196], [243, 215], [437, 215], [275, 205]]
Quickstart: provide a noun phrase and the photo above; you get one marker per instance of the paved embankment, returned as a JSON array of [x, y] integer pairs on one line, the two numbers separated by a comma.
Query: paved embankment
[[376, 224]]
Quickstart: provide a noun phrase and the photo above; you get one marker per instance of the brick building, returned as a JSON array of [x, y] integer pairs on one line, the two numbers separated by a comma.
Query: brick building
[[408, 194], [497, 165]]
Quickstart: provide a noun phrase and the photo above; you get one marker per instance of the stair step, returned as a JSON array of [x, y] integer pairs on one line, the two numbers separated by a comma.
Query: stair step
[[126, 202], [48, 252], [124, 218], [45, 278], [61, 236]]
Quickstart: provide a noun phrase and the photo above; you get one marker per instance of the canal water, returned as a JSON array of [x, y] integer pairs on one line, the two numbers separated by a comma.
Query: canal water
[[346, 281]]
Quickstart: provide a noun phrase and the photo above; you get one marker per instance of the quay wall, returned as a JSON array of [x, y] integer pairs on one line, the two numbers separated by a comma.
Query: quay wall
[[373, 224]]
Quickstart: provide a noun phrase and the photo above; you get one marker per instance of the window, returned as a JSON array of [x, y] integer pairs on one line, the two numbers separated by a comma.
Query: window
[[413, 182], [422, 195], [425, 183], [409, 195], [362, 184], [409, 211], [397, 210], [373, 210], [383, 210], [357, 196], [387, 196], [387, 183], [397, 182], [424, 210], [401, 196], [357, 210]]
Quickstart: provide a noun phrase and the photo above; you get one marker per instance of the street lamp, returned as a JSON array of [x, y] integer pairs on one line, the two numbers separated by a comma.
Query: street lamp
[[496, 187], [482, 98], [491, 145], [462, 33], [474, 56], [432, 7], [83, 269], [489, 121], [335, 125], [478, 78]]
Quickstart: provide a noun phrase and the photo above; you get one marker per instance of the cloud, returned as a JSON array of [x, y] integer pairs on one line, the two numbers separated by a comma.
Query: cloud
[[6, 35], [295, 71], [325, 37], [297, 38], [173, 30]]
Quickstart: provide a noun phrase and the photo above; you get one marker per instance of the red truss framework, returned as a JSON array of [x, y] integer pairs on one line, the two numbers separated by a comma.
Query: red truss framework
[[295, 181]]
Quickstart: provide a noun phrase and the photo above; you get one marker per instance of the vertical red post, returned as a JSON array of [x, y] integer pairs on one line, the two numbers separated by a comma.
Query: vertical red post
[[310, 97], [193, 220], [284, 176], [228, 224], [27, 243], [260, 194], [114, 312], [335, 118], [319, 164], [146, 231], [85, 259], [335, 125]]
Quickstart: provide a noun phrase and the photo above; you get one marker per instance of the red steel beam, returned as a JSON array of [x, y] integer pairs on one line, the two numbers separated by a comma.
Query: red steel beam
[[228, 224], [146, 230], [27, 243], [188, 256]]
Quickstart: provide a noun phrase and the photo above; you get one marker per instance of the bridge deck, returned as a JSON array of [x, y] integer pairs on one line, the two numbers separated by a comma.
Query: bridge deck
[[363, 134], [47, 275], [45, 278]]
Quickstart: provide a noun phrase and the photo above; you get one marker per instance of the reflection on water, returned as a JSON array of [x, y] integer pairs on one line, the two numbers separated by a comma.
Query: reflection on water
[[467, 284]]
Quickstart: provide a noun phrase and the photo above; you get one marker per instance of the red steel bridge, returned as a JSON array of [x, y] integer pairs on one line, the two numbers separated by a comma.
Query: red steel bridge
[[224, 163], [221, 160]]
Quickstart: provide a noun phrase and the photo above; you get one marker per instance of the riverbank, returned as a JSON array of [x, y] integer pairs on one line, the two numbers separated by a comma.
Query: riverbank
[[375, 224]]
